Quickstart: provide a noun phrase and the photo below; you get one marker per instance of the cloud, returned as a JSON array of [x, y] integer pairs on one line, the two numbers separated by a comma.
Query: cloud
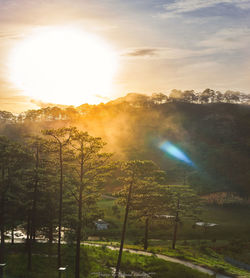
[[102, 97], [229, 39], [184, 6], [226, 41], [9, 35], [166, 53], [143, 52], [52, 12], [43, 104], [15, 103]]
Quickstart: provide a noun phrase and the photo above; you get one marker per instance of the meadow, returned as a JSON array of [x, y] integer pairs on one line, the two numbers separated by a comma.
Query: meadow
[[206, 247], [231, 220], [96, 262]]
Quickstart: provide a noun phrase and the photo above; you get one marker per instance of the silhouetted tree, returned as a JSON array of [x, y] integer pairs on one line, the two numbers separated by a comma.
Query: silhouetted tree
[[61, 139], [13, 158], [134, 173], [189, 96], [175, 95], [231, 96], [92, 164], [159, 98], [184, 201], [207, 96]]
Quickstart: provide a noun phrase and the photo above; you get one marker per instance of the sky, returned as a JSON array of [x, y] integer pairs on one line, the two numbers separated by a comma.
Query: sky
[[162, 44]]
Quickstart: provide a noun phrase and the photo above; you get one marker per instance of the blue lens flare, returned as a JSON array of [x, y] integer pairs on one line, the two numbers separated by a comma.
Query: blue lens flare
[[175, 152]]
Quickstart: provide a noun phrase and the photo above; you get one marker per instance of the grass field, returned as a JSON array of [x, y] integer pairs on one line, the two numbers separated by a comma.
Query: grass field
[[208, 248], [233, 222], [231, 237], [201, 252], [95, 262]]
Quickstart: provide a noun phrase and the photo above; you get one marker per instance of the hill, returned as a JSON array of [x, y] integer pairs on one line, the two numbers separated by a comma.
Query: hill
[[215, 136]]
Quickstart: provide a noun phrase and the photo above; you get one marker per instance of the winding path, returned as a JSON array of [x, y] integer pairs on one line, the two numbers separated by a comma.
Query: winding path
[[163, 257], [166, 258]]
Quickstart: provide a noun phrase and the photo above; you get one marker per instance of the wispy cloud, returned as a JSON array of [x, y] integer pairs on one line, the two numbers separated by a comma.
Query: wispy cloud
[[168, 53], [102, 97], [142, 52], [184, 6], [9, 35], [42, 104], [229, 39], [226, 41]]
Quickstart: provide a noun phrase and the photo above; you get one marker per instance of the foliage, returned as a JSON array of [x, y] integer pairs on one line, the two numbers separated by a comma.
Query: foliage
[[214, 132], [148, 196]]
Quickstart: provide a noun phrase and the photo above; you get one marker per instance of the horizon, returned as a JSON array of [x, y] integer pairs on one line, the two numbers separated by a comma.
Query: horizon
[[208, 96]]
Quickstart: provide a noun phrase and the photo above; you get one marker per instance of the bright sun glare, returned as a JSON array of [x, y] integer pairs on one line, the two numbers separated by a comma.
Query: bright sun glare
[[63, 65]]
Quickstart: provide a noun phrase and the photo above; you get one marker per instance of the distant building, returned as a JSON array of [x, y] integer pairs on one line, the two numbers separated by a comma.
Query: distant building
[[101, 225]]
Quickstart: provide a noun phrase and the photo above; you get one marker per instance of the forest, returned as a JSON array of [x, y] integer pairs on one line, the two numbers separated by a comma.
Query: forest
[[151, 165]]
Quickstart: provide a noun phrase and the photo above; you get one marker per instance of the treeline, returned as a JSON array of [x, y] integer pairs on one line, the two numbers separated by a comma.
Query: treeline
[[188, 96], [51, 184], [131, 99]]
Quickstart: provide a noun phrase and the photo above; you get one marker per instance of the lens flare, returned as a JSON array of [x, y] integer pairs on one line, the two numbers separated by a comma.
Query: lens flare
[[175, 152]]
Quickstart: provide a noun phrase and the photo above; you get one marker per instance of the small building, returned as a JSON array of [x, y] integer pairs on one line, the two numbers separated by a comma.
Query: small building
[[101, 225]]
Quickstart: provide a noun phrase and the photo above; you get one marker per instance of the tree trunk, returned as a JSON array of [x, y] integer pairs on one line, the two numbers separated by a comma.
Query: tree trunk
[[2, 216], [60, 211], [50, 236], [34, 205], [79, 224], [175, 234], [29, 241], [123, 232], [78, 236], [176, 224], [12, 235], [146, 234]]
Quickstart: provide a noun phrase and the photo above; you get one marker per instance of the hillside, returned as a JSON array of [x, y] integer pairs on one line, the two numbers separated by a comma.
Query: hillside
[[215, 137]]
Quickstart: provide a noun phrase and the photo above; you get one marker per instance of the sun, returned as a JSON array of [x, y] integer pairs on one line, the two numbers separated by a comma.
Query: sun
[[63, 65]]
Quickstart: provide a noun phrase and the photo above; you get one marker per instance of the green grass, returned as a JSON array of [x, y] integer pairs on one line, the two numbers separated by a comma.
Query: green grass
[[94, 260], [232, 221], [201, 252], [230, 238], [205, 253]]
